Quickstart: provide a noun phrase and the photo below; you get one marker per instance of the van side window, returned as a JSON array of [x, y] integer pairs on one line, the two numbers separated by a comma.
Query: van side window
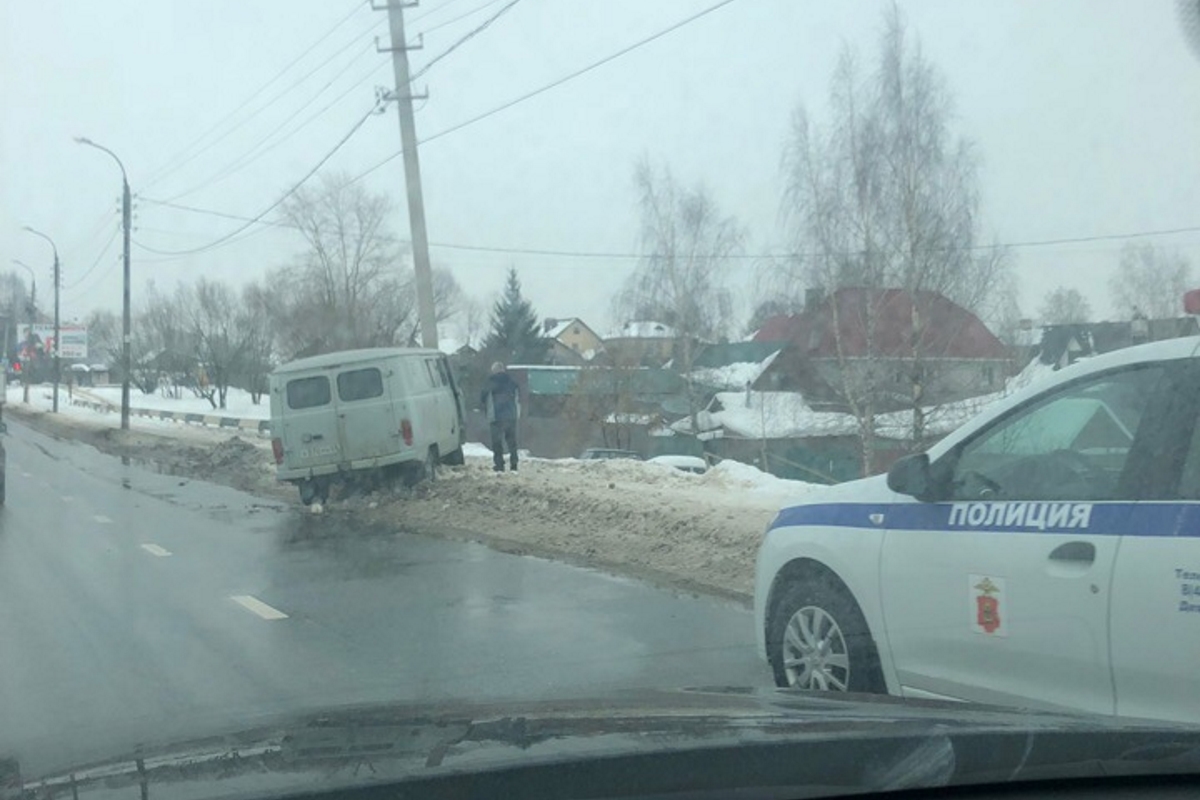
[[440, 370], [308, 392], [360, 384]]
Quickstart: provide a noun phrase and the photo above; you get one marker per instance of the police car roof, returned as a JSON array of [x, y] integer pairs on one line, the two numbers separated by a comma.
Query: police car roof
[[344, 357]]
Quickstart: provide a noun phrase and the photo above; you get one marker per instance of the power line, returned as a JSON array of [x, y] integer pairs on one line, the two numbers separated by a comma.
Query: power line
[[272, 101], [552, 85], [212, 212], [463, 40], [103, 251], [453, 20], [250, 156], [532, 251], [253, 220], [157, 174]]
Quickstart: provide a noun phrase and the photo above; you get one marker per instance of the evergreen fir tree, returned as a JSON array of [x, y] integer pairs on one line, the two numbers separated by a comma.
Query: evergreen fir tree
[[516, 336]]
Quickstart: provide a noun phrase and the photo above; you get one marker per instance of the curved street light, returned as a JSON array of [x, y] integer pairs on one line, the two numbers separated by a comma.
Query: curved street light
[[57, 344], [126, 221]]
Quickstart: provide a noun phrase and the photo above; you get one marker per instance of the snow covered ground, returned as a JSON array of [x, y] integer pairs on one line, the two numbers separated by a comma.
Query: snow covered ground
[[237, 402]]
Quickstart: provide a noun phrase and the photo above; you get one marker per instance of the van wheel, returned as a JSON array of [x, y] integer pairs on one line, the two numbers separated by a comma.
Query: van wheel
[[308, 492], [421, 471], [455, 458], [818, 640], [429, 467]]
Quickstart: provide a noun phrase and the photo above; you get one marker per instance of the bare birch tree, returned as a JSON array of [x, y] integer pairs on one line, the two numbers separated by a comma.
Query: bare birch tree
[[1150, 281], [350, 287], [686, 242], [1064, 306], [885, 197], [210, 311]]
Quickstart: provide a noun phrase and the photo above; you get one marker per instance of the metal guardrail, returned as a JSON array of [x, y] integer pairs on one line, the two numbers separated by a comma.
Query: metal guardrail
[[86, 400]]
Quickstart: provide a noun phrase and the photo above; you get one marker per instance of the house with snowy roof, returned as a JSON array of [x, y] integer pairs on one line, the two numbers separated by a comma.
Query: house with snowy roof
[[572, 342], [642, 343], [1063, 344]]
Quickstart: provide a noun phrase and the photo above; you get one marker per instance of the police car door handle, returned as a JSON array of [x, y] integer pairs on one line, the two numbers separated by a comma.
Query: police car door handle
[[1074, 551], [876, 518]]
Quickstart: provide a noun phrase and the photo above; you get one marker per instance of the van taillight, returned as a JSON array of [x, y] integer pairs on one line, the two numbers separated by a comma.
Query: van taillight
[[277, 448], [406, 432]]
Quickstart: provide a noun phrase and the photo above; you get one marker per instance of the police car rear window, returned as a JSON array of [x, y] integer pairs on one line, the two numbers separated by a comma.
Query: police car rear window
[[308, 392], [360, 384]]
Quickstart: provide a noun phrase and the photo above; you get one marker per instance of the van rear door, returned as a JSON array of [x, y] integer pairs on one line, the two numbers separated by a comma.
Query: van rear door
[[309, 425], [365, 414]]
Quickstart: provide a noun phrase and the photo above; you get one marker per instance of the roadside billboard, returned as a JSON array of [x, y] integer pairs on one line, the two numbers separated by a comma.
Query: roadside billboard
[[74, 339]]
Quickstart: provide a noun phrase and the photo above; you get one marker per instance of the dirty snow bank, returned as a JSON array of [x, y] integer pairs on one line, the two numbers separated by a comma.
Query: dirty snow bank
[[700, 531]]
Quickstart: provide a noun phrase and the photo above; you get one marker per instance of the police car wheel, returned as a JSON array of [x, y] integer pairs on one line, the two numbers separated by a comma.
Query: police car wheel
[[819, 641]]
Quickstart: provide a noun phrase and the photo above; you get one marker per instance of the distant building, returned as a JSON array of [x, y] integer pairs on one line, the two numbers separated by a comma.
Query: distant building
[[643, 343], [882, 336], [572, 341], [1061, 345]]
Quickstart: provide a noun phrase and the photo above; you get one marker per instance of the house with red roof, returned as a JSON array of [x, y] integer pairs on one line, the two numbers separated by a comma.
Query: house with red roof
[[884, 342]]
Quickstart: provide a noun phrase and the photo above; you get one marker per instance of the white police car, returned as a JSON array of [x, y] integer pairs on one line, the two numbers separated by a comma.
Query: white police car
[[1046, 554]]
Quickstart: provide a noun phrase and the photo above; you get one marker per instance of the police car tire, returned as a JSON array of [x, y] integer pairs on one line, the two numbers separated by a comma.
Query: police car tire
[[866, 675]]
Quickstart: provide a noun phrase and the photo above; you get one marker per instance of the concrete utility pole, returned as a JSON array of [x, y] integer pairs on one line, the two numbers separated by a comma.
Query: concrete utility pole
[[126, 223], [412, 168], [57, 292]]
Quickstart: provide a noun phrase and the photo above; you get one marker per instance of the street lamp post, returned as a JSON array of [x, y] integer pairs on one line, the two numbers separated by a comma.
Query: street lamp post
[[32, 322], [57, 344], [126, 223]]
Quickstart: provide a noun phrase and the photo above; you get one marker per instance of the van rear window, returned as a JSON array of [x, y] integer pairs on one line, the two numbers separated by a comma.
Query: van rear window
[[308, 392], [360, 384]]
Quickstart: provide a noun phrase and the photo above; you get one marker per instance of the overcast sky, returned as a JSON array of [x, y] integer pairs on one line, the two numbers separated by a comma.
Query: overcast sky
[[1086, 115]]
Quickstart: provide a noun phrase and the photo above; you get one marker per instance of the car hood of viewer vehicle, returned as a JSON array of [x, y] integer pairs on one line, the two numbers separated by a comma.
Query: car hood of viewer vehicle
[[647, 743]]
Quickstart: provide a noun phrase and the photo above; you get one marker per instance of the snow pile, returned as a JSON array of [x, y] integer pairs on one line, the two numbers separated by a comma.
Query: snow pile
[[768, 415], [736, 476], [733, 376]]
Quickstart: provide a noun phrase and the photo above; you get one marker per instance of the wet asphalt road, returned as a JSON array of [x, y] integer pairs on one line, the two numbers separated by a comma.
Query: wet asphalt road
[[144, 608]]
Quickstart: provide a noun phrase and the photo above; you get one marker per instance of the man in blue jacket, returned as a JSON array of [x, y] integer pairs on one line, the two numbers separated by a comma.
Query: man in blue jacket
[[501, 400]]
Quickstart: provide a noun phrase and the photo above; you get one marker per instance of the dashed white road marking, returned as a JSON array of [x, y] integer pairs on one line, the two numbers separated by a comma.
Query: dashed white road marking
[[68, 498], [103, 520], [26, 475], [256, 606], [155, 550]]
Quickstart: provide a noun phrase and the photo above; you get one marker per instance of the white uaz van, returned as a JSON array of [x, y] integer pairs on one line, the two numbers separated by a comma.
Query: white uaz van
[[357, 412]]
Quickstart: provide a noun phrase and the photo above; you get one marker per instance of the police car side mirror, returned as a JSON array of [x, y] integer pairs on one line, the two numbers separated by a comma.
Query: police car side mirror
[[911, 475]]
